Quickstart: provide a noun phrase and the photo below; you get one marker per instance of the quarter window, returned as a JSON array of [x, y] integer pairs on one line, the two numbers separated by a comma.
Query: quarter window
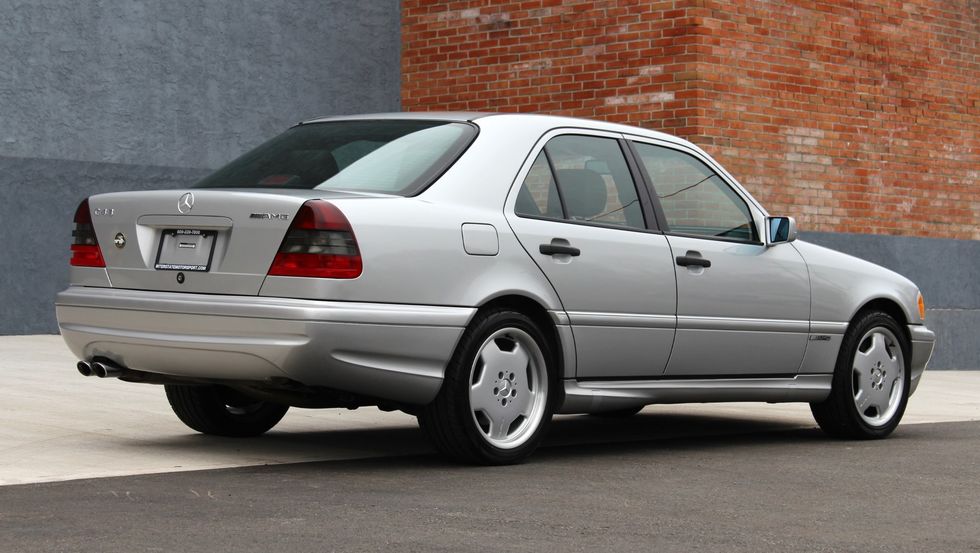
[[538, 196], [694, 198], [582, 179]]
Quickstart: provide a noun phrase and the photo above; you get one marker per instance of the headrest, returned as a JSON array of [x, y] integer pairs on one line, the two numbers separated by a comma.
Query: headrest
[[584, 192]]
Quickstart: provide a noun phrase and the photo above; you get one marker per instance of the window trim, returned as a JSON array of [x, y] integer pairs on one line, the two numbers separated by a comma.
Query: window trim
[[650, 221], [554, 179], [658, 207]]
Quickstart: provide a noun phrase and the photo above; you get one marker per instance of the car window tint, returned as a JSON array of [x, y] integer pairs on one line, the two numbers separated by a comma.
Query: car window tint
[[538, 196], [389, 156], [694, 198], [595, 181]]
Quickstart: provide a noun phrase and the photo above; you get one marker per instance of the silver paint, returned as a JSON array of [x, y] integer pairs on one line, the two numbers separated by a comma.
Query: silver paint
[[390, 351], [622, 309], [596, 396], [480, 239]]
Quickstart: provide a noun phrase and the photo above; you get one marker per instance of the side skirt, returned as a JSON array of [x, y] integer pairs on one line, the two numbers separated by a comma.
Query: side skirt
[[594, 396]]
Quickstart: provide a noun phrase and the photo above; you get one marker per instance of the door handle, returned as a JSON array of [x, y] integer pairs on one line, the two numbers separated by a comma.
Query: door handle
[[691, 260], [557, 249]]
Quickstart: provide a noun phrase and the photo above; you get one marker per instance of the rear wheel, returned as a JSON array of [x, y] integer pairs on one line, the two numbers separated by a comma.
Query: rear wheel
[[871, 381], [497, 398], [221, 411]]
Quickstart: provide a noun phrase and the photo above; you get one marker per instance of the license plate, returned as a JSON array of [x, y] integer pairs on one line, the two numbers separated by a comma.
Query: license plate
[[185, 250]]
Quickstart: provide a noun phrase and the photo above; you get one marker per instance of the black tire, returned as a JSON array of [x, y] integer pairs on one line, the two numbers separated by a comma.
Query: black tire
[[221, 411], [449, 421], [838, 415], [618, 413]]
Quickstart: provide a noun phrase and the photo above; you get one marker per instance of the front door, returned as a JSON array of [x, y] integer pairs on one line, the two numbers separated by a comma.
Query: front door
[[579, 215], [743, 307]]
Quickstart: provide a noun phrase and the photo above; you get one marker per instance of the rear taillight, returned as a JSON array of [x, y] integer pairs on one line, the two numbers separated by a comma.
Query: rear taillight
[[319, 243], [85, 250]]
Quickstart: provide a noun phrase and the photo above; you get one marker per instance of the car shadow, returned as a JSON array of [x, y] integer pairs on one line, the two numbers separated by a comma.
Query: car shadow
[[568, 436]]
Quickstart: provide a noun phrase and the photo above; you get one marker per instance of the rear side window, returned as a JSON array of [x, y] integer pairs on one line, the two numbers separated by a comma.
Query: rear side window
[[694, 198], [584, 179], [388, 156], [538, 197]]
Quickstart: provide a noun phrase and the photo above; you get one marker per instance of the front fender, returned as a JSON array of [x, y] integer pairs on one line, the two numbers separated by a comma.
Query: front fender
[[841, 285]]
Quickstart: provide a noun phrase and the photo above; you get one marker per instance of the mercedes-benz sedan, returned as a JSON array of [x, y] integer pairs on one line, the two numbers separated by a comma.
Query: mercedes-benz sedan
[[481, 272]]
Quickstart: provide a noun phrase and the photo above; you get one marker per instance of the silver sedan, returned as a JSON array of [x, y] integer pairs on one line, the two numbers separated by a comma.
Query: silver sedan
[[482, 272]]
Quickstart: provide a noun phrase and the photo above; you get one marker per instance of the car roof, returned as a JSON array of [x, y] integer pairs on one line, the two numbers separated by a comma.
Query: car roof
[[460, 116], [548, 121]]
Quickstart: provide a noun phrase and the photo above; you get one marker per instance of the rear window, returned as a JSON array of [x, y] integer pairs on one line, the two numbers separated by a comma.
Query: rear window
[[388, 156]]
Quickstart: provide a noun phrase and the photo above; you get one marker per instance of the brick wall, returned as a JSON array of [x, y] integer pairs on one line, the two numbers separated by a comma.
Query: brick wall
[[859, 116]]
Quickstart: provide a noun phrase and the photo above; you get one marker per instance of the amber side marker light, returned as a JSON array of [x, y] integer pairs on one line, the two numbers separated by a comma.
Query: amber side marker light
[[922, 307]]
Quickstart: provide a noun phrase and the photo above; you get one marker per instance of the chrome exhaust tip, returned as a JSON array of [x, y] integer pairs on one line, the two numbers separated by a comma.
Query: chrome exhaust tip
[[85, 368], [106, 369]]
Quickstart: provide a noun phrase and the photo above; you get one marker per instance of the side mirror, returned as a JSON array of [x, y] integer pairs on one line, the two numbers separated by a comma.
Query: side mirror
[[781, 229]]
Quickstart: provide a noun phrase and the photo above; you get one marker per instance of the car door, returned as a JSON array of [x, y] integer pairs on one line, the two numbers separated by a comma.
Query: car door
[[579, 213], [743, 307]]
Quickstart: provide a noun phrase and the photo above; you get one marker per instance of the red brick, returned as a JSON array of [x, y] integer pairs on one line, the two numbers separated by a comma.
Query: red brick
[[851, 115]]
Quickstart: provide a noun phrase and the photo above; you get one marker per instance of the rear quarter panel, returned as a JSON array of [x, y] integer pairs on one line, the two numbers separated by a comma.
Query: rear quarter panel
[[412, 248], [412, 252]]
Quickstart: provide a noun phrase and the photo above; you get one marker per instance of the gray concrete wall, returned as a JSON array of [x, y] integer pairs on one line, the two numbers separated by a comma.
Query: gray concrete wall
[[108, 95], [947, 273]]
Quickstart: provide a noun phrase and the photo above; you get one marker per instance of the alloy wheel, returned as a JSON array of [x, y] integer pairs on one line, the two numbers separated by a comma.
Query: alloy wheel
[[508, 388], [878, 376]]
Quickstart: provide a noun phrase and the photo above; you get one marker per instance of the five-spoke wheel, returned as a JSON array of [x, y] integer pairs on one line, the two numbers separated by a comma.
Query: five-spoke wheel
[[509, 387], [871, 381], [878, 376], [497, 396]]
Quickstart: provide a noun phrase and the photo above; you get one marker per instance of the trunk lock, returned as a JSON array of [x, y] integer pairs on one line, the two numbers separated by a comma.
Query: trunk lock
[[119, 240], [180, 278]]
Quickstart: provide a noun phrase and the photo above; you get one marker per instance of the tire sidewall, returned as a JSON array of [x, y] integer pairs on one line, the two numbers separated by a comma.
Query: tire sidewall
[[202, 408], [459, 387], [844, 383]]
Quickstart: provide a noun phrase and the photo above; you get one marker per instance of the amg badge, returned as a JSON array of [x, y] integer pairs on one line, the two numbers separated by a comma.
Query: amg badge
[[280, 216]]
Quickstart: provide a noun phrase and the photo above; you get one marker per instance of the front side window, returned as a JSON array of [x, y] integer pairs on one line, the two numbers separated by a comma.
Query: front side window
[[388, 156], [694, 198], [591, 183]]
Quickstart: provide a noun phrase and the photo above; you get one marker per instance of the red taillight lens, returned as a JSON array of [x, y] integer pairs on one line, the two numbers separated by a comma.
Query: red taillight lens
[[320, 243], [85, 250]]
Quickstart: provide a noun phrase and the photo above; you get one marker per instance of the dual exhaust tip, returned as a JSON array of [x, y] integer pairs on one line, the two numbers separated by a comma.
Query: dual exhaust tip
[[101, 369]]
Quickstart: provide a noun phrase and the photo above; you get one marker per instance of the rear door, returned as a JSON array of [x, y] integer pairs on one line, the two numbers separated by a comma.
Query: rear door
[[743, 308], [580, 215]]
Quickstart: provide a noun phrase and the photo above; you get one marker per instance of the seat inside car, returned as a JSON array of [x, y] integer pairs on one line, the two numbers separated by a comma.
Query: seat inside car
[[584, 192]]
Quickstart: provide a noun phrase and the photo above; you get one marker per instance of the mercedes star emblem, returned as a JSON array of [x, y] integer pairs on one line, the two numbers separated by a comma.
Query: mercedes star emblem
[[185, 203]]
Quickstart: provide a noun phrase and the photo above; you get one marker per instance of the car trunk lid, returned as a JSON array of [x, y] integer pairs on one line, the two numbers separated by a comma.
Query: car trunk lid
[[203, 241]]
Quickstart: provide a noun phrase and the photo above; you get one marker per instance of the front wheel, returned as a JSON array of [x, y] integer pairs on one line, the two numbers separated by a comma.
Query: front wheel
[[871, 382], [498, 393], [221, 411]]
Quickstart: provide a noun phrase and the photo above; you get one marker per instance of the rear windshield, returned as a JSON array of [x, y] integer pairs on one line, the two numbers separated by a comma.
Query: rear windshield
[[387, 156]]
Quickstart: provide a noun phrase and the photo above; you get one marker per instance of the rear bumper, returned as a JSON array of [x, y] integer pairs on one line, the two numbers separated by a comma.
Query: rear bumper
[[390, 351], [923, 343]]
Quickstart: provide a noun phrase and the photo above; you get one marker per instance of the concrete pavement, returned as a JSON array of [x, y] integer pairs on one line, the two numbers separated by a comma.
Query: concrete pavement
[[57, 425]]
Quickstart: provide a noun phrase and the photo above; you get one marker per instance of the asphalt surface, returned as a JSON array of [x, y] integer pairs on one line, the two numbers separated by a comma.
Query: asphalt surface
[[745, 489]]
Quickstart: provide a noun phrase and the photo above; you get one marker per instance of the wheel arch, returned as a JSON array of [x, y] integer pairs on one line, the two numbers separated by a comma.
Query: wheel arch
[[541, 316], [889, 306]]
